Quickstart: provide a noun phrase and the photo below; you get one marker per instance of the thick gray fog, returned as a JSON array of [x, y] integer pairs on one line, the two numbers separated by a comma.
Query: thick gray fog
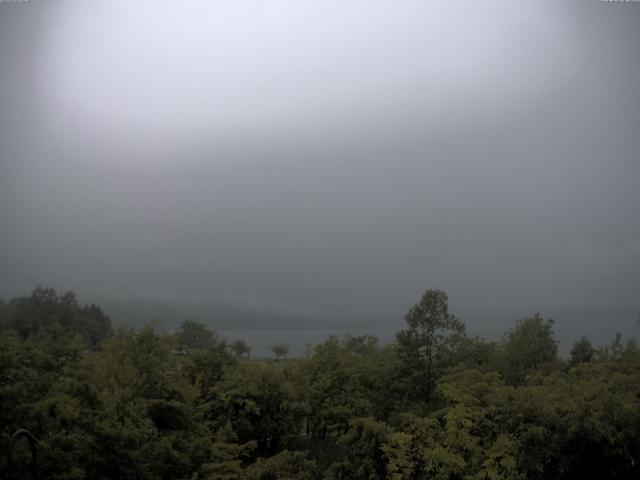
[[316, 165]]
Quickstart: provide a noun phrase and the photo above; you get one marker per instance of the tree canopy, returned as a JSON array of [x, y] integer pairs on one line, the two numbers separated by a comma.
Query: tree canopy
[[132, 403]]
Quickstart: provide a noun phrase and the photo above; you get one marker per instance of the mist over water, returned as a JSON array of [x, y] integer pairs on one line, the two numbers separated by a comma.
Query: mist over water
[[291, 168]]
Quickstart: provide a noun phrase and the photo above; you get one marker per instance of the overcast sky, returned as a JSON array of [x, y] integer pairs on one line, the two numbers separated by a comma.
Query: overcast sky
[[326, 160]]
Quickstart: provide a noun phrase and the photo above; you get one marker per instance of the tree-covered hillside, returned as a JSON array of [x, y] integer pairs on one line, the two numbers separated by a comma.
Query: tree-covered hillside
[[435, 404]]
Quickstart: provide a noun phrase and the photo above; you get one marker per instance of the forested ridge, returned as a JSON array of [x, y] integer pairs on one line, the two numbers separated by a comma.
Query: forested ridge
[[436, 403]]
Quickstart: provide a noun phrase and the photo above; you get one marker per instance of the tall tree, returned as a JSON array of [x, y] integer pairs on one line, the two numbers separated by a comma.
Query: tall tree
[[194, 335], [581, 352], [280, 350], [528, 346], [430, 342]]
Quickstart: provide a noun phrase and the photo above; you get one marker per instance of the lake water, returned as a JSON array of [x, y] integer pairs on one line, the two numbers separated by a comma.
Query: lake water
[[297, 340]]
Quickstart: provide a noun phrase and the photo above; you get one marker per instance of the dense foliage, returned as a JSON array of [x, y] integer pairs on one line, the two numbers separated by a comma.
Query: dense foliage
[[434, 404]]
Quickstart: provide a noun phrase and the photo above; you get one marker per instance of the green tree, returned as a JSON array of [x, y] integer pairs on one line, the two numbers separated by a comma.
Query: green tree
[[285, 465], [257, 402], [205, 369], [194, 335], [335, 385], [34, 315], [478, 353], [581, 352], [407, 451], [240, 348], [280, 350], [227, 456], [429, 345], [528, 346], [362, 457]]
